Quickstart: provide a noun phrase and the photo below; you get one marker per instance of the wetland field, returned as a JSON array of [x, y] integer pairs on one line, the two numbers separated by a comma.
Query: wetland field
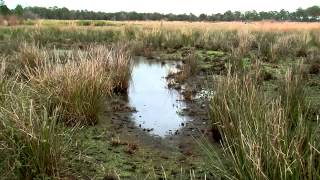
[[159, 100]]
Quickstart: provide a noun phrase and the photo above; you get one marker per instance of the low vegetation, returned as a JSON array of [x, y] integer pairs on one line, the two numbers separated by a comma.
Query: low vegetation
[[264, 137], [61, 75], [48, 88]]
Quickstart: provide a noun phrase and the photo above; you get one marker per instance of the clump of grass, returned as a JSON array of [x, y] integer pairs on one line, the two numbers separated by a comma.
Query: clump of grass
[[261, 137], [3, 79], [29, 22], [189, 67], [100, 23], [84, 23], [293, 94], [120, 67], [81, 83], [30, 59], [31, 144]]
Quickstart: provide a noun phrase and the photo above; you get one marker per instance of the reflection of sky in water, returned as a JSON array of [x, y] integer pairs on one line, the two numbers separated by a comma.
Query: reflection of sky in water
[[156, 105]]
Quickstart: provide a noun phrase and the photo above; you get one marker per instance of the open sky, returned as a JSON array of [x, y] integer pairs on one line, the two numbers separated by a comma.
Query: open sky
[[170, 6]]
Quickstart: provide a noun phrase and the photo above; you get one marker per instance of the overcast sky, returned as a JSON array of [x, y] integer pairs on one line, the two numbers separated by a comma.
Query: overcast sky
[[170, 6]]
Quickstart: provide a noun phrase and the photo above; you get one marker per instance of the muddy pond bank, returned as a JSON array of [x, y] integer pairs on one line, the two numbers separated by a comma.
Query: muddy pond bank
[[149, 132], [158, 116]]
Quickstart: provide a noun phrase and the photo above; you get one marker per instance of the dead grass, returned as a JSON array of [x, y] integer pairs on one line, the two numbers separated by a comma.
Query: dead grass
[[82, 81]]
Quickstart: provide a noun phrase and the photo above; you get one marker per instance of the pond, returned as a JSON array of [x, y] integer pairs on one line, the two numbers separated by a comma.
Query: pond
[[157, 106]]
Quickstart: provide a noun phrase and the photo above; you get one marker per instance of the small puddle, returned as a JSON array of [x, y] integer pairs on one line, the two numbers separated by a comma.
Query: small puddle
[[157, 105]]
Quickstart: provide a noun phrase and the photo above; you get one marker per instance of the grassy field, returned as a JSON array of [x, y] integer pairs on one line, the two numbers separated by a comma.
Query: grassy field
[[58, 77]]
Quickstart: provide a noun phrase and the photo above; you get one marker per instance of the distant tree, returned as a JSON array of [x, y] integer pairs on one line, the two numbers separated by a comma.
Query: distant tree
[[18, 10], [251, 16], [192, 17], [313, 12], [283, 15], [237, 16], [29, 15], [300, 14], [202, 17], [309, 14], [4, 10], [228, 16]]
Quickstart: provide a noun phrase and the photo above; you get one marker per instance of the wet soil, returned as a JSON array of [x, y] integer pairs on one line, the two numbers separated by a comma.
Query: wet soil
[[121, 146]]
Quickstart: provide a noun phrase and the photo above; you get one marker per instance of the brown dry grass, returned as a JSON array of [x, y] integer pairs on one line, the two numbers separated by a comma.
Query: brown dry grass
[[258, 26], [254, 26]]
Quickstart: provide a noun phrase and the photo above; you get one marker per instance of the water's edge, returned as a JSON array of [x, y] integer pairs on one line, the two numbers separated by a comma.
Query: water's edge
[[157, 106]]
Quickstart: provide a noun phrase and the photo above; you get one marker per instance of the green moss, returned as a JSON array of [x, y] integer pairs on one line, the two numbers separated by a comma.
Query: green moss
[[170, 56], [215, 53]]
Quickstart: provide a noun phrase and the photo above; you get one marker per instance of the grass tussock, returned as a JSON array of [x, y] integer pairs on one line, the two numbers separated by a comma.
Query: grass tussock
[[81, 82], [31, 143], [30, 58], [264, 138], [45, 90], [189, 68]]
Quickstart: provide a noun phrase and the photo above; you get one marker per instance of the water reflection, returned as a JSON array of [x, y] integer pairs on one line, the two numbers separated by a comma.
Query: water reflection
[[157, 105]]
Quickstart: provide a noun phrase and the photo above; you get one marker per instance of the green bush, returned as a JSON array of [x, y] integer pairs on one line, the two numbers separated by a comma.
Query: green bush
[[84, 23]]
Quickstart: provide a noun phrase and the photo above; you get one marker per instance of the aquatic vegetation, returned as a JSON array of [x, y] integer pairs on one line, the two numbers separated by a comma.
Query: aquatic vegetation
[[189, 68]]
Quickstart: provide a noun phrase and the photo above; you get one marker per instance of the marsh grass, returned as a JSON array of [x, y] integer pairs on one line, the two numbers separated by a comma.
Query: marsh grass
[[44, 91], [82, 81], [29, 58], [292, 91], [120, 67], [31, 143], [263, 138], [84, 23], [270, 45], [189, 68]]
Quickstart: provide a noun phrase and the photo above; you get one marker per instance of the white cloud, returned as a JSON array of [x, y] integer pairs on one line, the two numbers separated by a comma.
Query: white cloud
[[170, 6]]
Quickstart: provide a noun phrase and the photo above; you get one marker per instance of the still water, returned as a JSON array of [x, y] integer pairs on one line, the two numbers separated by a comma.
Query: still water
[[157, 105]]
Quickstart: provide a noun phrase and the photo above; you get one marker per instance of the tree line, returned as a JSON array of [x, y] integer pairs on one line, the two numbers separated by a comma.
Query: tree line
[[302, 15]]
